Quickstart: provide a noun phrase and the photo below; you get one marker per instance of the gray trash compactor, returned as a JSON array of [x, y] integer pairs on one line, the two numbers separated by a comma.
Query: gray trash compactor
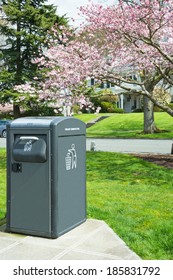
[[46, 175]]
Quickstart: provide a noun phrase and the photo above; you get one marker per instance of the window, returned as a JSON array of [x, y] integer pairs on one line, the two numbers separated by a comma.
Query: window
[[92, 82]]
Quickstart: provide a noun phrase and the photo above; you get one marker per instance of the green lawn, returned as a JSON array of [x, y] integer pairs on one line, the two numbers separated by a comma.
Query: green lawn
[[2, 183], [135, 198], [132, 196], [127, 125], [87, 117]]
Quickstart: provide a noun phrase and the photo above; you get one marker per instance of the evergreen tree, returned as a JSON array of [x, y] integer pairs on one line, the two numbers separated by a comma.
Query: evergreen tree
[[24, 28]]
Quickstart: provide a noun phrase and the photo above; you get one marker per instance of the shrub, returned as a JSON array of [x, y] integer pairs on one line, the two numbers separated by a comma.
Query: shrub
[[138, 110], [118, 111], [42, 111], [107, 107], [6, 115], [109, 98], [170, 105], [76, 109], [108, 103]]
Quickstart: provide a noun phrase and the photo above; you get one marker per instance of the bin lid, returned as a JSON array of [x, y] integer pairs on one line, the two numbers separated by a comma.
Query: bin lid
[[62, 125]]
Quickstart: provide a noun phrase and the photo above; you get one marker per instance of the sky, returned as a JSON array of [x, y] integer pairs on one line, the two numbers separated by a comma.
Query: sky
[[69, 7]]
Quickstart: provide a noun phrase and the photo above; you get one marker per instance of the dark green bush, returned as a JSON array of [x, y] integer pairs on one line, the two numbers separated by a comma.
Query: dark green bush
[[107, 107], [138, 110], [119, 111], [42, 111], [6, 115], [108, 103]]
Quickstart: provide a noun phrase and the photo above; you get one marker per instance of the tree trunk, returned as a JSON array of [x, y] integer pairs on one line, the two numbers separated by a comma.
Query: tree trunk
[[149, 125], [16, 111]]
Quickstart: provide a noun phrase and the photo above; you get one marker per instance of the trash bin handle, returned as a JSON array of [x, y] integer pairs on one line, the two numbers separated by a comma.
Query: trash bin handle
[[29, 138]]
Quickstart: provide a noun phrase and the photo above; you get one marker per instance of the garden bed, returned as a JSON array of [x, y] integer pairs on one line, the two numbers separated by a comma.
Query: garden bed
[[163, 160]]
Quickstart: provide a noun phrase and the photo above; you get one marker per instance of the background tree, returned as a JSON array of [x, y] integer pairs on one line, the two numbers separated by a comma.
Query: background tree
[[25, 30]]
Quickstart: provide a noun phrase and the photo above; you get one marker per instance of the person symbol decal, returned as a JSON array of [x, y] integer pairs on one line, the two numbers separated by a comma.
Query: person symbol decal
[[71, 158]]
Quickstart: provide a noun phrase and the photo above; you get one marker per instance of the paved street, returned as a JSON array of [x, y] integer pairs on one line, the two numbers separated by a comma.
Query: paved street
[[132, 145], [2, 142], [125, 145]]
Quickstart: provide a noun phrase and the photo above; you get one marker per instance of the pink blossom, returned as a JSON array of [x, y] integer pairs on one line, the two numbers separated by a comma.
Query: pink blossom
[[113, 42]]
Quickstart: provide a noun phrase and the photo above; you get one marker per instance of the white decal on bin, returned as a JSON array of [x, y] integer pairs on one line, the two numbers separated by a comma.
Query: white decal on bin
[[28, 146], [71, 158]]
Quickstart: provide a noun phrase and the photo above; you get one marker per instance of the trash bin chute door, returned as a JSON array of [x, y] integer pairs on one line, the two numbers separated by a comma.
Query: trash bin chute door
[[29, 149]]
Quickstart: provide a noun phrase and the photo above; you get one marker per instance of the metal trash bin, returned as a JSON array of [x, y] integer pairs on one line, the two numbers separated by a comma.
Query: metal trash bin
[[46, 175]]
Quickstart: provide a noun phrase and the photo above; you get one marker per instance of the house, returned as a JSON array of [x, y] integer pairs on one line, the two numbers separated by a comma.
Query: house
[[128, 101], [131, 100]]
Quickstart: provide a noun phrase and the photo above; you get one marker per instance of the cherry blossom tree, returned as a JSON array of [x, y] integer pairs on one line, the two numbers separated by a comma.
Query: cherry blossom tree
[[113, 43], [137, 37], [64, 69]]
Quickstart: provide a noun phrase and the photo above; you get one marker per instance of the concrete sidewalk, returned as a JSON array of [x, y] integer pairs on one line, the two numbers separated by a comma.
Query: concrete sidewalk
[[92, 240]]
